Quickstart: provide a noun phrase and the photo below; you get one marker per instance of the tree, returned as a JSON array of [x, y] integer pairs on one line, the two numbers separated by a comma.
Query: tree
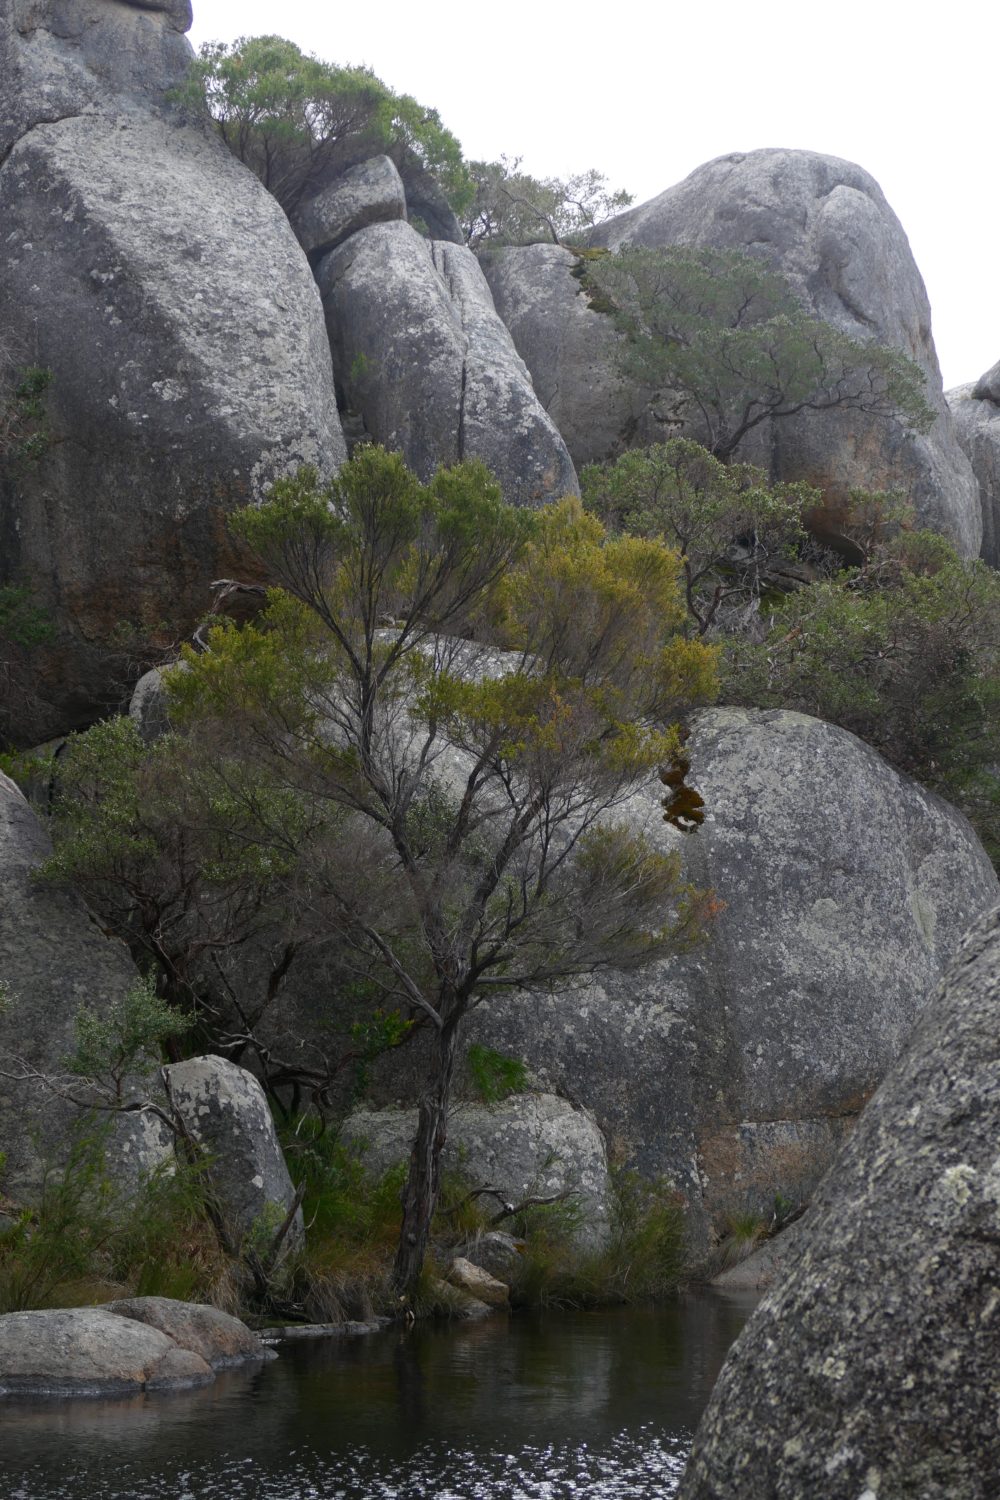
[[473, 787], [297, 122], [736, 533], [905, 653], [510, 207], [725, 342]]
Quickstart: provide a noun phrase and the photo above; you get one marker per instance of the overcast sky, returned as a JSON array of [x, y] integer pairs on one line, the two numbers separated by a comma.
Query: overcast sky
[[647, 93]]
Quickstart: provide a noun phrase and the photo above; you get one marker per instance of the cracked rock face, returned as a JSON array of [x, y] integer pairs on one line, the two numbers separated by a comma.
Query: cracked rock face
[[420, 353], [872, 1370], [182, 328]]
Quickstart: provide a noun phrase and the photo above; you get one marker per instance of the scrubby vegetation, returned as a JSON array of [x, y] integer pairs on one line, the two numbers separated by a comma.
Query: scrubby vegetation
[[856, 616]]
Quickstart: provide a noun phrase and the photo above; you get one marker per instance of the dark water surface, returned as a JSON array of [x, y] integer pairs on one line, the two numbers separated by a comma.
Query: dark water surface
[[535, 1407]]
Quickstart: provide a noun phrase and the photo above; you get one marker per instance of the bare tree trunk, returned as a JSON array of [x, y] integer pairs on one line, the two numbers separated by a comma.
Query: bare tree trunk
[[421, 1191]]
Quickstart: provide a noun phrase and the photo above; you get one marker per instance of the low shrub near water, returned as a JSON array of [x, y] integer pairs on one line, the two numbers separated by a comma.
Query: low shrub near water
[[91, 1238]]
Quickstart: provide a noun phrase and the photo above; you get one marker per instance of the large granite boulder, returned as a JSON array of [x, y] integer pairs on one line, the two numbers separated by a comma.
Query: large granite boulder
[[225, 1110], [736, 1072], [569, 346], [143, 1344], [220, 1339], [531, 1145], [181, 325], [975, 409], [369, 193], [54, 958], [89, 1351], [872, 1370], [826, 225], [421, 355]]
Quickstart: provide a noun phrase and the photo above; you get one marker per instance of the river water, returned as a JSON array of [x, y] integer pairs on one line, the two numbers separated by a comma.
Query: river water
[[552, 1406]]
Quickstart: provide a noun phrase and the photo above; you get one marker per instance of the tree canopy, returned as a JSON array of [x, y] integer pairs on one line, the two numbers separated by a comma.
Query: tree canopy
[[297, 121], [471, 785], [726, 344], [510, 207]]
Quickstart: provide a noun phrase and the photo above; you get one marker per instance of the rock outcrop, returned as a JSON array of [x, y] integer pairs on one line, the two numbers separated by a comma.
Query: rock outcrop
[[737, 1072], [179, 320], [54, 958], [370, 193], [531, 1145], [224, 1108], [217, 1337], [975, 409], [421, 355], [872, 1369], [113, 1351], [826, 225], [570, 348]]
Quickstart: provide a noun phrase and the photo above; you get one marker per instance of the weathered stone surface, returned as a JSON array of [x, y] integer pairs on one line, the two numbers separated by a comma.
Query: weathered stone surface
[[531, 1145], [493, 1250], [736, 1072], [220, 1339], [370, 193], [65, 57], [225, 1109], [975, 409], [422, 356], [502, 420], [768, 1265], [54, 959], [89, 1351], [478, 1283], [872, 1369], [148, 705], [570, 349], [827, 226], [183, 331]]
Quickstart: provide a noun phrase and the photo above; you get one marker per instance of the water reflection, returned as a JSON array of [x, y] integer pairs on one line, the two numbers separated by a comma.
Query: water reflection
[[598, 1404]]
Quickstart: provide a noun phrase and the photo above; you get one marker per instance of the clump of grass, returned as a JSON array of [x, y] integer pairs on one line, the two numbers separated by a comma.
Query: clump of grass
[[90, 1238]]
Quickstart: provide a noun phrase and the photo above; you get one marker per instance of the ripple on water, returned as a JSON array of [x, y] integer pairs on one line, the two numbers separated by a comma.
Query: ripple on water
[[635, 1464]]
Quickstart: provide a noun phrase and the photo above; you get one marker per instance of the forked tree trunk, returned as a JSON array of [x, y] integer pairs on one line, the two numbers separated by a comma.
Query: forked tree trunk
[[421, 1191]]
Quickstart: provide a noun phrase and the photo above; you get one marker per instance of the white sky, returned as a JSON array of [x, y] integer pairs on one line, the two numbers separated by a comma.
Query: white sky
[[647, 92]]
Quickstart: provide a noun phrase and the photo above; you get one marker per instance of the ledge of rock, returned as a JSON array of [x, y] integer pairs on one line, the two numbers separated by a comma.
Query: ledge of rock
[[218, 1338]]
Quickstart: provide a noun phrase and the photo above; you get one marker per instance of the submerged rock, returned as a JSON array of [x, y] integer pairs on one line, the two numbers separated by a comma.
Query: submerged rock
[[872, 1369]]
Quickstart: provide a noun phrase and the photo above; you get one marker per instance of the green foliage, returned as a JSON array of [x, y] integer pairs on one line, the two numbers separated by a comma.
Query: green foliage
[[297, 122], [905, 653], [494, 1075], [125, 1040], [645, 1256], [24, 430], [91, 1237], [732, 528], [510, 207], [727, 344]]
